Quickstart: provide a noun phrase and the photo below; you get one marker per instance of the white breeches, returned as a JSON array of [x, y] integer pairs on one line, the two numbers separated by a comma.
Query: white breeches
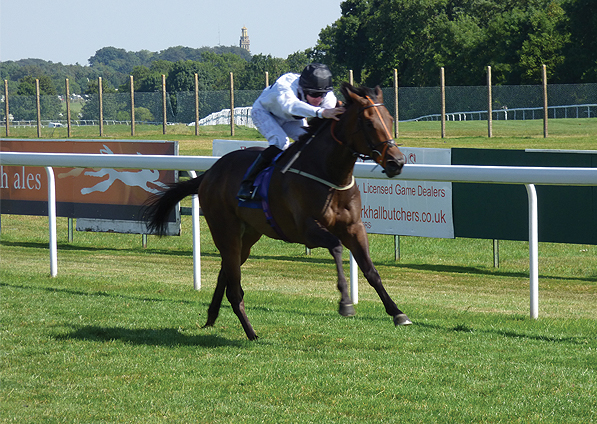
[[278, 132]]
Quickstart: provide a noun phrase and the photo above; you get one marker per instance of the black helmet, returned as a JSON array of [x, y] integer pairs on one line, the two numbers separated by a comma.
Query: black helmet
[[316, 78]]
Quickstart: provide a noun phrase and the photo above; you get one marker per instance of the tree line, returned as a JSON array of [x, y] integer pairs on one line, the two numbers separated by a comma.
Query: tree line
[[417, 37], [114, 65], [371, 38]]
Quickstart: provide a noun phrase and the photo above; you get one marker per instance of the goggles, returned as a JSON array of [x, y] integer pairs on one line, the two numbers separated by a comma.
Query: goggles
[[315, 94]]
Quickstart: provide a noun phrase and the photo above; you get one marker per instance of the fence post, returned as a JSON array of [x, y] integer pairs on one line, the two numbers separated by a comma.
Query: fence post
[[544, 77], [52, 221], [489, 105], [443, 101], [67, 93], [100, 92], [266, 79], [533, 251], [395, 103], [38, 105], [196, 104], [231, 104], [7, 111], [164, 114], [71, 234], [350, 77], [132, 106]]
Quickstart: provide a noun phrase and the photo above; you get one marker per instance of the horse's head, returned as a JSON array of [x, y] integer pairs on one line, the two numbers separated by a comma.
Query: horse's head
[[367, 128]]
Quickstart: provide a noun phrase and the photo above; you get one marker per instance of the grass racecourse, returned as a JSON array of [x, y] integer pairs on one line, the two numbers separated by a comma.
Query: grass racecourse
[[116, 337]]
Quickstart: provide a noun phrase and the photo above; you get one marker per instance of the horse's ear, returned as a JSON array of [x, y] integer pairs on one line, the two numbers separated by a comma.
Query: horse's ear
[[344, 87], [379, 94], [348, 92]]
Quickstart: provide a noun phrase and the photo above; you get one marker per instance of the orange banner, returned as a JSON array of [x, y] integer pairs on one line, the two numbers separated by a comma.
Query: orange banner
[[78, 185]]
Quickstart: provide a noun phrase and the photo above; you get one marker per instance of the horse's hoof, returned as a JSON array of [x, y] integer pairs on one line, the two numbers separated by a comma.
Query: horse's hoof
[[347, 310], [401, 319]]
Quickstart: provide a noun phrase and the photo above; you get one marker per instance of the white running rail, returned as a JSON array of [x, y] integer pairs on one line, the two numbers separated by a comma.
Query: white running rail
[[529, 176]]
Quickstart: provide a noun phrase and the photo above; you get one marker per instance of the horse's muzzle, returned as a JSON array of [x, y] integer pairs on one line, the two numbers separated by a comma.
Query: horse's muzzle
[[394, 166]]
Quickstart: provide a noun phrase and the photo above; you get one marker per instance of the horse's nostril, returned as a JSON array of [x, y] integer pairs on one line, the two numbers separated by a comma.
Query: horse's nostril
[[393, 168]]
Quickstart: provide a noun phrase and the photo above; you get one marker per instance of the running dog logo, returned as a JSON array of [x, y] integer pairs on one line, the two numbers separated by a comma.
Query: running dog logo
[[145, 179]]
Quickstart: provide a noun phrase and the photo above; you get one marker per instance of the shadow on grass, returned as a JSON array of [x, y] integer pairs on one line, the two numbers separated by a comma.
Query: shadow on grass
[[169, 337], [452, 269], [457, 269], [103, 294], [73, 248], [469, 328]]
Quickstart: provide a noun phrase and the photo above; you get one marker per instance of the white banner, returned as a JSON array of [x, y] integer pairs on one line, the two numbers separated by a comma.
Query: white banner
[[409, 208], [221, 147]]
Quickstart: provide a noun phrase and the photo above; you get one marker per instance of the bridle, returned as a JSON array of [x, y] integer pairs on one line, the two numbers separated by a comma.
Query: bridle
[[379, 150], [379, 155]]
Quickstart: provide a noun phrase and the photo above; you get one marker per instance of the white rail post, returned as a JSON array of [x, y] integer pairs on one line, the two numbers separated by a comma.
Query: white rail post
[[196, 239], [533, 251], [354, 280], [52, 221]]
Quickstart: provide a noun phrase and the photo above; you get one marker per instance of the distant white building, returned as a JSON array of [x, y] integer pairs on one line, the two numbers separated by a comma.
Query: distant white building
[[244, 40]]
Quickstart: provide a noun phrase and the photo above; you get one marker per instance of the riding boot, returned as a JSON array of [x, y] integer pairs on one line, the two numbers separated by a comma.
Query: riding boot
[[263, 160]]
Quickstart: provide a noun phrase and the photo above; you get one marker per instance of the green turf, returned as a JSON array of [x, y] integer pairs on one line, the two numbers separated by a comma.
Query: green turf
[[116, 337]]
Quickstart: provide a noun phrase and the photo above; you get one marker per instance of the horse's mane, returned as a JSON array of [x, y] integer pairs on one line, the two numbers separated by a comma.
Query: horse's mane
[[314, 125], [360, 91]]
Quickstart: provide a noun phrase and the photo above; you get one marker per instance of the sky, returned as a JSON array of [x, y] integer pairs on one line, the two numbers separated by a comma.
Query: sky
[[71, 31]]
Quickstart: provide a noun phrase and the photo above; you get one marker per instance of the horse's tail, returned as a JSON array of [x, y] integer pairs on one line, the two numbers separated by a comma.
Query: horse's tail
[[159, 206]]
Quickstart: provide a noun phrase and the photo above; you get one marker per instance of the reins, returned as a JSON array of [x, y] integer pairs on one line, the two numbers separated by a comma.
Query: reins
[[297, 154], [287, 167]]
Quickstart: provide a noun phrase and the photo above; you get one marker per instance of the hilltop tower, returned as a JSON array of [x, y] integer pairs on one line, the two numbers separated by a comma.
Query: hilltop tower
[[244, 40]]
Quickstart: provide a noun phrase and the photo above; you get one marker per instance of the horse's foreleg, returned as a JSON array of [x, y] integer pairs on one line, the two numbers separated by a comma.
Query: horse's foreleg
[[359, 246], [318, 236], [346, 308]]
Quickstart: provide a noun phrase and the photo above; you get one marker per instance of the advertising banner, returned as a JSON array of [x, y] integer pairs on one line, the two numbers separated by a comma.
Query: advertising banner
[[409, 208], [221, 147], [100, 199]]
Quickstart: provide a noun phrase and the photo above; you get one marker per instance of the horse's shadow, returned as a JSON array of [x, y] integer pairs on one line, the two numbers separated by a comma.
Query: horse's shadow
[[168, 337]]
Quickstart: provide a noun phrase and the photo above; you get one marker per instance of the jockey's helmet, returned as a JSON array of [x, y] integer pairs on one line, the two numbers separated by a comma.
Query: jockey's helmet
[[316, 79]]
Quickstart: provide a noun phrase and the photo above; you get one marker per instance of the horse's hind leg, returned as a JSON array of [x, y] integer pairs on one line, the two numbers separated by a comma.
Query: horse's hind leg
[[216, 301], [233, 256]]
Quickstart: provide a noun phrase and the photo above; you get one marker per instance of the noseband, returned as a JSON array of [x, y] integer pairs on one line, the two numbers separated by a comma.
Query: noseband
[[379, 155]]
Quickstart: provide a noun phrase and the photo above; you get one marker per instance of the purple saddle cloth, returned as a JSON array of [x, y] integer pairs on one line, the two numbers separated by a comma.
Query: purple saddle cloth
[[261, 201]]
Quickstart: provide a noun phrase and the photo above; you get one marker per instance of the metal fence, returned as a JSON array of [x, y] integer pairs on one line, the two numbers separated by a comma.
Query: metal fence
[[523, 113], [519, 102]]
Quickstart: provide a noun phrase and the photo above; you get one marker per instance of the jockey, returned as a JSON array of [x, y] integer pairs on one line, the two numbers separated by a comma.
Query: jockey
[[281, 110]]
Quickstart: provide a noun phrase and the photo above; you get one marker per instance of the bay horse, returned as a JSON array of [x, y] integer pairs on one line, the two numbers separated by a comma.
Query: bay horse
[[312, 198]]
